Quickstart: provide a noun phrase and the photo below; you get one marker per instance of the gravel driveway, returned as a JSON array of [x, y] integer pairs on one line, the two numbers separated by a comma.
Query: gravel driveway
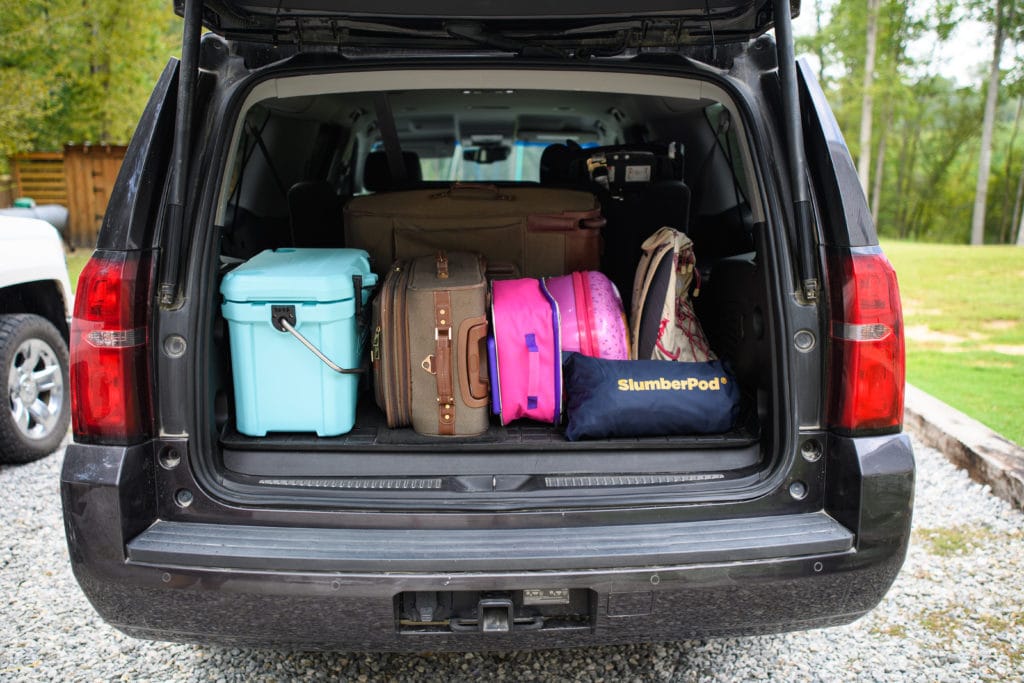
[[955, 613]]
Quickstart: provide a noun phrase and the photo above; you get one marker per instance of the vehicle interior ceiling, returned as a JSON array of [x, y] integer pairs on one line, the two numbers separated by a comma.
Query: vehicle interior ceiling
[[300, 159]]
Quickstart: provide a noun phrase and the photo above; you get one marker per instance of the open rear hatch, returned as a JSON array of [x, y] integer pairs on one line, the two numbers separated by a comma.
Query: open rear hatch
[[600, 26]]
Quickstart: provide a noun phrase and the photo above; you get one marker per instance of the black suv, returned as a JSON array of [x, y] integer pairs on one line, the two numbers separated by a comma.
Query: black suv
[[182, 528]]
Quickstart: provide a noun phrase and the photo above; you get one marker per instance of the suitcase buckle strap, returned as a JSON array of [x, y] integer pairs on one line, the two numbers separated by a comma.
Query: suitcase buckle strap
[[441, 364], [375, 346]]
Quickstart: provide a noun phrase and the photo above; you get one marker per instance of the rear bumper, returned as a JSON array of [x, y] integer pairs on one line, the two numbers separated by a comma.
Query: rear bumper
[[336, 589]]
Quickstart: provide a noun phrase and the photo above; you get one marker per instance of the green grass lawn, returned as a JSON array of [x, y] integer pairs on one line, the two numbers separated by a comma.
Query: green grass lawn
[[963, 308]]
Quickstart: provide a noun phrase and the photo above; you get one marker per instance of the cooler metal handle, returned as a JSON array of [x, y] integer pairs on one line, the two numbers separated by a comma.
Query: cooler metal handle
[[283, 319]]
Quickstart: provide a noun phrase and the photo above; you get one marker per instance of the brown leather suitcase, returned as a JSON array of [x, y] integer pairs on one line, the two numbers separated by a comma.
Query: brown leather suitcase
[[538, 231], [429, 350]]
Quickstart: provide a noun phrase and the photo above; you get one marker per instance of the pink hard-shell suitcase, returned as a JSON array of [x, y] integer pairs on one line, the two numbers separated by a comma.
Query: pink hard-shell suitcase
[[593, 319]]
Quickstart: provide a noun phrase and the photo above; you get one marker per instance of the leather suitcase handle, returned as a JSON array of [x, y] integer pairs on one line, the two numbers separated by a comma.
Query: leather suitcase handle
[[473, 191], [567, 221], [473, 381]]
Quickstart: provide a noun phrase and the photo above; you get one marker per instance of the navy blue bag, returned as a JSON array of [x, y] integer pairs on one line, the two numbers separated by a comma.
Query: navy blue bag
[[624, 398]]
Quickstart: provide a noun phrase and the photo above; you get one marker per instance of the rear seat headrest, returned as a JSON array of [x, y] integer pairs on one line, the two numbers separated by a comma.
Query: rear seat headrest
[[377, 173], [554, 164], [314, 210], [555, 161]]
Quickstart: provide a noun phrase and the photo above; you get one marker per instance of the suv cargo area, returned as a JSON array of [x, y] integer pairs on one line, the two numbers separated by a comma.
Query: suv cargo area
[[295, 162]]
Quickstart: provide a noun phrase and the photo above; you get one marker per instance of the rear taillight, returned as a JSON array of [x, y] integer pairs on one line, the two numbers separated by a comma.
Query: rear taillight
[[866, 379], [110, 395]]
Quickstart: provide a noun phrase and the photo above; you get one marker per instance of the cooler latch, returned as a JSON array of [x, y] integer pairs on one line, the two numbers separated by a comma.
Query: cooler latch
[[281, 314]]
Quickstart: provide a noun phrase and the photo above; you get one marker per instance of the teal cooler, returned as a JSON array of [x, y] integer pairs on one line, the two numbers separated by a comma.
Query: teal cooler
[[280, 385]]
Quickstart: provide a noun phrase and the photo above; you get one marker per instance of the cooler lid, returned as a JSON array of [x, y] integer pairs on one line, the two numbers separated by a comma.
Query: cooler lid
[[298, 275]]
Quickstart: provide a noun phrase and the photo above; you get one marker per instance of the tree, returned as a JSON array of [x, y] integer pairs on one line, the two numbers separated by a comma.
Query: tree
[[818, 44], [1007, 219], [819, 11], [876, 190], [921, 155], [79, 72], [866, 43], [944, 122], [867, 96], [1002, 15]]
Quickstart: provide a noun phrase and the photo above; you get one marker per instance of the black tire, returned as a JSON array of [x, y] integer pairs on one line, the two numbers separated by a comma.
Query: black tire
[[34, 418]]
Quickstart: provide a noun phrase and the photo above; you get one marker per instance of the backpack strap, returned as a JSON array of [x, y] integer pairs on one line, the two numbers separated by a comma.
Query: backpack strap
[[657, 247]]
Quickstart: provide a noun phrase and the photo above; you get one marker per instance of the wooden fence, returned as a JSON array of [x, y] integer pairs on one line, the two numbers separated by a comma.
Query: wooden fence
[[6, 190], [90, 172], [79, 178], [40, 175]]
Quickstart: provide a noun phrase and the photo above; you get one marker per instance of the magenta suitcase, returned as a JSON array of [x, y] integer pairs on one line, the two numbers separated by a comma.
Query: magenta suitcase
[[526, 353], [534, 321]]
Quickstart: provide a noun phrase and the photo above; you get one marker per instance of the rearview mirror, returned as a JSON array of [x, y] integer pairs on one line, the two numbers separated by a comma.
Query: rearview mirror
[[487, 155]]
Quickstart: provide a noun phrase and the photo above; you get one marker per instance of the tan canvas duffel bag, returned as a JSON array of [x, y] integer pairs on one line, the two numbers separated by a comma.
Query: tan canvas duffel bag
[[429, 348], [539, 231]]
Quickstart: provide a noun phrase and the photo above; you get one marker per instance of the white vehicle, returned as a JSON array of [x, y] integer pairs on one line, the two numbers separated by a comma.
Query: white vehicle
[[35, 304]]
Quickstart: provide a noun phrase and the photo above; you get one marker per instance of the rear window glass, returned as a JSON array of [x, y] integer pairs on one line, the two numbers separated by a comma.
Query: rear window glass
[[518, 162]]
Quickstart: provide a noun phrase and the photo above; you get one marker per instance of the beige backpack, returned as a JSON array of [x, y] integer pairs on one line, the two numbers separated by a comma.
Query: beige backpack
[[665, 326]]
